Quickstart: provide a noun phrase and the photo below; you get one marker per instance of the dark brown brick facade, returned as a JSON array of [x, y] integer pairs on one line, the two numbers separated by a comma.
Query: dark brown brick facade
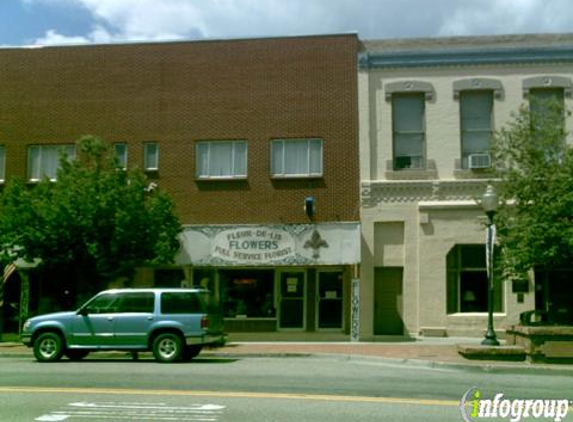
[[179, 93]]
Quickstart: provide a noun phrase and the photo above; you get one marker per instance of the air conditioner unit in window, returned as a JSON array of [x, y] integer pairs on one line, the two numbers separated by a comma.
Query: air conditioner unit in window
[[479, 161]]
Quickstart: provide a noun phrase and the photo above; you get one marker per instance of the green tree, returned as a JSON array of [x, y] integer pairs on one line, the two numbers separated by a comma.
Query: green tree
[[96, 223], [535, 169]]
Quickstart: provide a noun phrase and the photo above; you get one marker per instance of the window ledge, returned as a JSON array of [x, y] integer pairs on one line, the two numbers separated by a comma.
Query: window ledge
[[297, 177], [38, 181], [412, 174], [476, 314], [486, 173], [220, 179]]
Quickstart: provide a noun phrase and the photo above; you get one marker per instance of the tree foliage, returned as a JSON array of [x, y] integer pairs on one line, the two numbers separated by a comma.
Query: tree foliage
[[97, 221], [535, 166]]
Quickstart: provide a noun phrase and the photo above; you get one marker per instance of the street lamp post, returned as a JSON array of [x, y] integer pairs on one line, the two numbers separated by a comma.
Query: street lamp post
[[489, 203]]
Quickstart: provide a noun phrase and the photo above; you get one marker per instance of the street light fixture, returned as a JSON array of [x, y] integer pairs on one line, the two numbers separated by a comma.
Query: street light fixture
[[489, 203]]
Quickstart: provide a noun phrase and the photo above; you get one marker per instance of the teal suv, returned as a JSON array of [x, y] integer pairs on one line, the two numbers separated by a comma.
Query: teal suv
[[174, 324]]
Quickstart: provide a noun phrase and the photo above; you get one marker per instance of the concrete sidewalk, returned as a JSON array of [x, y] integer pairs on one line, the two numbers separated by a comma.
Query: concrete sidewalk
[[423, 351]]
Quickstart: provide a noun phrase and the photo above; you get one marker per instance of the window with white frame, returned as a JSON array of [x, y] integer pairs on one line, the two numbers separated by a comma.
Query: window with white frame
[[120, 150], [2, 163], [297, 157], [408, 130], [44, 160], [467, 282], [151, 156], [221, 159], [476, 109]]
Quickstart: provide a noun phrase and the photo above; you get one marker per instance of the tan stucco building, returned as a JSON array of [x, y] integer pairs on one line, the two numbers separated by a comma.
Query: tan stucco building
[[427, 111]]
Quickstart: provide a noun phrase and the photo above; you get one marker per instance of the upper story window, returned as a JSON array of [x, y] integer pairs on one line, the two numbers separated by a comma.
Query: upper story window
[[2, 163], [297, 157], [221, 159], [151, 156], [408, 129], [408, 99], [43, 160], [543, 90], [540, 98], [120, 150], [476, 110]]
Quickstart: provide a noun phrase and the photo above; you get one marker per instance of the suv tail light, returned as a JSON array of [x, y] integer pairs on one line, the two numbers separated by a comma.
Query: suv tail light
[[205, 322]]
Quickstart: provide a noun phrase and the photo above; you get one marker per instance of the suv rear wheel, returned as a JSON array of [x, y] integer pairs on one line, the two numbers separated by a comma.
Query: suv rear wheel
[[167, 347], [48, 347]]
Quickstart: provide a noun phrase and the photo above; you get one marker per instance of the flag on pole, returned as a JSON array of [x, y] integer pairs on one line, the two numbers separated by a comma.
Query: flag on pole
[[8, 271], [489, 245]]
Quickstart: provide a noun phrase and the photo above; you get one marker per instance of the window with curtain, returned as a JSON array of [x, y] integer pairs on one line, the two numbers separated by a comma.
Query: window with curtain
[[476, 123], [120, 151], [151, 156], [467, 283], [408, 130], [296, 157], [2, 163], [221, 159], [44, 160]]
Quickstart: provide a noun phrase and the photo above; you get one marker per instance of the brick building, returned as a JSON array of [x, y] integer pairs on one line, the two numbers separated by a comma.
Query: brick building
[[255, 139]]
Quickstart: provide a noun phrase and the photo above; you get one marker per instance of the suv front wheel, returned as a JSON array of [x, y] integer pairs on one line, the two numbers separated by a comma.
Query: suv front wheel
[[48, 347], [167, 347]]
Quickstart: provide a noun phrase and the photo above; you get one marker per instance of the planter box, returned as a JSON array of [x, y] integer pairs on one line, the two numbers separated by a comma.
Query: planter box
[[543, 343]]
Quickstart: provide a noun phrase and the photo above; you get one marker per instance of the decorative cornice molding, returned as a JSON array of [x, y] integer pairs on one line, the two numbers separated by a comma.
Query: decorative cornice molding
[[374, 193], [466, 57]]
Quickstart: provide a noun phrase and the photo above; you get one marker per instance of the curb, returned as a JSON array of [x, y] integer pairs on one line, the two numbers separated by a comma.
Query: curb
[[481, 366]]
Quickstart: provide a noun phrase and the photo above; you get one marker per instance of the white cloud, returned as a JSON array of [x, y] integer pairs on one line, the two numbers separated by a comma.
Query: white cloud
[[130, 20], [52, 37], [509, 16]]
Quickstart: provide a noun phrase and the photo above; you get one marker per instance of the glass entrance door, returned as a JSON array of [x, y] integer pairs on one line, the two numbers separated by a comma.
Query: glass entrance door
[[330, 300], [292, 304]]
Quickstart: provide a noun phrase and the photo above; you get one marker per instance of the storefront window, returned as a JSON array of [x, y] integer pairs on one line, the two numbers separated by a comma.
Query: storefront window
[[169, 277], [247, 293], [205, 278], [467, 281]]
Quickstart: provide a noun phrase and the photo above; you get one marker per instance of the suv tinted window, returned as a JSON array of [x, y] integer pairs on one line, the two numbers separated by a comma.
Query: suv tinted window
[[180, 303], [137, 302], [104, 304]]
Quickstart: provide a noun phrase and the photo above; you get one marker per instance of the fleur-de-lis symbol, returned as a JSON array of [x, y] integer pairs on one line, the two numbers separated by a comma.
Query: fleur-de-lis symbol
[[315, 242]]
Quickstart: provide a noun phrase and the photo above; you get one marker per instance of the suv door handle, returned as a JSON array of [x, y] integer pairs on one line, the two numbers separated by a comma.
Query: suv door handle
[[150, 318], [110, 318]]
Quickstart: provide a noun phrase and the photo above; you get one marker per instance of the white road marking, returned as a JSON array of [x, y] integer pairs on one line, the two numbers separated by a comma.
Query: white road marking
[[52, 418], [135, 411], [162, 406]]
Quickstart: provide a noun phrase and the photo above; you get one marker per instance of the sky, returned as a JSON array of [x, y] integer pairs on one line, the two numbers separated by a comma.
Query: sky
[[58, 22]]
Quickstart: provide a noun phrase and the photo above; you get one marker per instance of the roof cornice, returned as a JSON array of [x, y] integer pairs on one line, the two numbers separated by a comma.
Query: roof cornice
[[465, 57]]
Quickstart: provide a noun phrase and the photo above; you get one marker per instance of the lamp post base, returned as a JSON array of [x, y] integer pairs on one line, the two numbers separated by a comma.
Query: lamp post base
[[490, 339]]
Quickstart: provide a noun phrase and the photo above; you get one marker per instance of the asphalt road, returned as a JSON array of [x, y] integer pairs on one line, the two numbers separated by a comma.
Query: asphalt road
[[255, 389]]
